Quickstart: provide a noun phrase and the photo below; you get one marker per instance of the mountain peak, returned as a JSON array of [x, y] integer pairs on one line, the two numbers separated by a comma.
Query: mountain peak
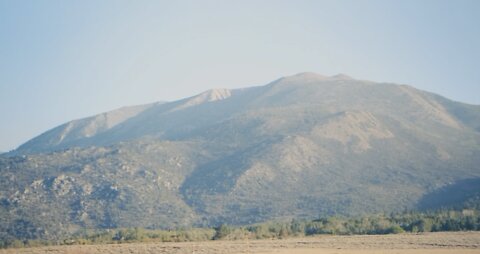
[[218, 94], [307, 76], [341, 76], [312, 76], [207, 96]]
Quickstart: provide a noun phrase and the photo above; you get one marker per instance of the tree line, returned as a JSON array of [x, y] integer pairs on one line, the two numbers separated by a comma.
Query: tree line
[[444, 220]]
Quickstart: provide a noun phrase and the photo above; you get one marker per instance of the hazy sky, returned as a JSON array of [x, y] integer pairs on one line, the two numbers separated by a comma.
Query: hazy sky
[[63, 60]]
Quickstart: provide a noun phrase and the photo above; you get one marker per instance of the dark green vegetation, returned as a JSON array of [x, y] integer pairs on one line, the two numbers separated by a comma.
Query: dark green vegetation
[[446, 220], [300, 147]]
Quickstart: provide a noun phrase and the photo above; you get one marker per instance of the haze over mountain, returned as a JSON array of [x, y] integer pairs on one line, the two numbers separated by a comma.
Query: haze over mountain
[[301, 146]]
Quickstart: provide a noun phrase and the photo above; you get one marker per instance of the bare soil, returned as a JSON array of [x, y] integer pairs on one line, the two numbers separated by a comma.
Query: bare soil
[[428, 243]]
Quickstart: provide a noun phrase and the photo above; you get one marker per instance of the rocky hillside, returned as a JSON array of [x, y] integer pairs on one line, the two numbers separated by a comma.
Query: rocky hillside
[[302, 146]]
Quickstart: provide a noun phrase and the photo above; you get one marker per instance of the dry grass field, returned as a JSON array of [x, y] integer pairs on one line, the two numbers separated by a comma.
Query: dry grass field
[[428, 243]]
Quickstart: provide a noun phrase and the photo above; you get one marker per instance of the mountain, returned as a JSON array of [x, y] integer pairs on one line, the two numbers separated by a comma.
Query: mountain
[[301, 146]]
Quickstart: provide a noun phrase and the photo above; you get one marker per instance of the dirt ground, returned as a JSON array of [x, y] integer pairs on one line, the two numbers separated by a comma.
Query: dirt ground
[[428, 243]]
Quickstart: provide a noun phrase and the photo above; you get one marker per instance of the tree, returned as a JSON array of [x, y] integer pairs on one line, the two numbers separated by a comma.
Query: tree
[[221, 232]]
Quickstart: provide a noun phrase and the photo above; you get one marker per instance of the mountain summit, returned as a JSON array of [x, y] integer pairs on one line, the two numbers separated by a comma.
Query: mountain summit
[[301, 146]]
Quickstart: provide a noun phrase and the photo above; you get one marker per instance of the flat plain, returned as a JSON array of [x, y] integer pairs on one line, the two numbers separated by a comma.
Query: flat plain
[[441, 242]]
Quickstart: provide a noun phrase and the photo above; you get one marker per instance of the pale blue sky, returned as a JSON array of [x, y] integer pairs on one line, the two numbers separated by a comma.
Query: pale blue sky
[[63, 60]]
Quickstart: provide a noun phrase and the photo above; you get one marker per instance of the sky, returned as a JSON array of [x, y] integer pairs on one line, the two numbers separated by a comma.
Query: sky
[[64, 60]]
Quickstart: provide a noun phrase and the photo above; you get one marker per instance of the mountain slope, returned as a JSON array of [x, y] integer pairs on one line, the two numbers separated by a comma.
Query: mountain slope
[[301, 146], [181, 118], [74, 132]]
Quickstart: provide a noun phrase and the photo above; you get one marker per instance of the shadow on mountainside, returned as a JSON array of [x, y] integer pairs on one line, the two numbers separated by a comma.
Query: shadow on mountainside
[[460, 194]]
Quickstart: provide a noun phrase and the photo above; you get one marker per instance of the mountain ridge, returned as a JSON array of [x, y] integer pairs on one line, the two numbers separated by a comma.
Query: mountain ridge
[[216, 95], [221, 94], [301, 146]]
